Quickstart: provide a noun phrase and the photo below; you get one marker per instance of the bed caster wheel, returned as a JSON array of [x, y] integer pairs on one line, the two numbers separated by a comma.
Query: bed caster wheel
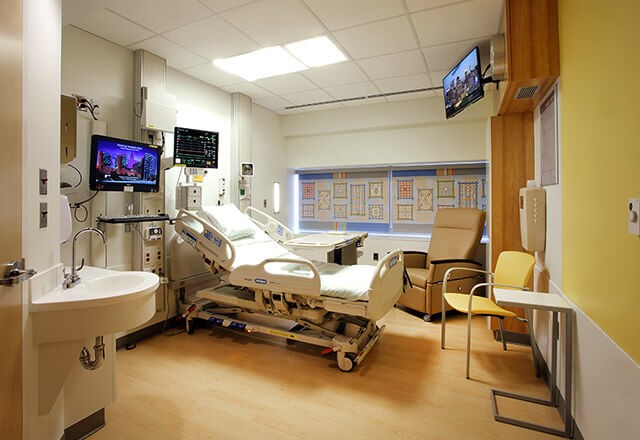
[[346, 363], [428, 317], [190, 324]]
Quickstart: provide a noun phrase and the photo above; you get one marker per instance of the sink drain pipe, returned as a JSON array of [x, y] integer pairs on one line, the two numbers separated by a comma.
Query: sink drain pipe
[[85, 356]]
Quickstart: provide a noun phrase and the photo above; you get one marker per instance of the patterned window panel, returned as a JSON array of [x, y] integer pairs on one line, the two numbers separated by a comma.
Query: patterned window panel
[[358, 200], [468, 193], [405, 189], [308, 191]]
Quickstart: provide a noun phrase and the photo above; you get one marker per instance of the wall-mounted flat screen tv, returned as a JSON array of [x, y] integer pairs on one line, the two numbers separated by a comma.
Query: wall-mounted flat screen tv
[[123, 165], [463, 84]]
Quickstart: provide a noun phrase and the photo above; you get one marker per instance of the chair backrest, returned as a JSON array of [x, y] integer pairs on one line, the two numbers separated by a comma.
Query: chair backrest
[[456, 233], [514, 268]]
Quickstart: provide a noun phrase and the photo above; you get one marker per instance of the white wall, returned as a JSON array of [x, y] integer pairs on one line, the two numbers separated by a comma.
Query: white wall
[[40, 149], [268, 152], [399, 132], [95, 68]]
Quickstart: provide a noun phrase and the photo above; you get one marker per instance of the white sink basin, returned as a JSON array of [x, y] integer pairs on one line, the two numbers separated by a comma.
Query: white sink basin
[[104, 302]]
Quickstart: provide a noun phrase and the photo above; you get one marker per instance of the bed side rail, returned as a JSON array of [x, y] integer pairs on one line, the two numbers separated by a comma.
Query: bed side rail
[[212, 245], [386, 286], [270, 275], [276, 230]]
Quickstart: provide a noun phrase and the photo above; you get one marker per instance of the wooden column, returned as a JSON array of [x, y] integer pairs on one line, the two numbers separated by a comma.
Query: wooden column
[[512, 164]]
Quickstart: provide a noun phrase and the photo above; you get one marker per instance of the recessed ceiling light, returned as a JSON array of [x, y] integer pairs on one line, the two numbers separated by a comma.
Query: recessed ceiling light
[[316, 52], [262, 63]]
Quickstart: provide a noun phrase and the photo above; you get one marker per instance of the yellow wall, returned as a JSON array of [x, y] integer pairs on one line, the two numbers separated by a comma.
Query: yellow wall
[[600, 132]]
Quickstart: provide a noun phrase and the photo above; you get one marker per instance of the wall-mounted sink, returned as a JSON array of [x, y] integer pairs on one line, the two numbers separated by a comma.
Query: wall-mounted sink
[[104, 302], [62, 320]]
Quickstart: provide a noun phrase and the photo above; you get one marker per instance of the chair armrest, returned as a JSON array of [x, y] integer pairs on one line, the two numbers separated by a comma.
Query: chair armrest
[[477, 286], [415, 259], [438, 269], [447, 275]]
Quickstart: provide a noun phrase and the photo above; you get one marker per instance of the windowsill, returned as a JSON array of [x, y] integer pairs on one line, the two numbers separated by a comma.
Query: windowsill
[[397, 235]]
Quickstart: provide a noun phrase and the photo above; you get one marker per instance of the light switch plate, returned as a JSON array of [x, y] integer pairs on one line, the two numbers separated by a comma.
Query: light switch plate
[[43, 182], [634, 216], [43, 215]]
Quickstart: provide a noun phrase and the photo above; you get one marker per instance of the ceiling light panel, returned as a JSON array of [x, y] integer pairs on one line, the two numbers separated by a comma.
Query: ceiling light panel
[[315, 52], [263, 63]]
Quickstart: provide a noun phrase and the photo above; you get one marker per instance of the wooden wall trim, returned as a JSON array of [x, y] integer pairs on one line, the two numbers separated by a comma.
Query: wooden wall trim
[[512, 164], [532, 51]]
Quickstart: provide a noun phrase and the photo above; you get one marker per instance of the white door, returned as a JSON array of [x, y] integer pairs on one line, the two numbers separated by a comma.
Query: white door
[[10, 216]]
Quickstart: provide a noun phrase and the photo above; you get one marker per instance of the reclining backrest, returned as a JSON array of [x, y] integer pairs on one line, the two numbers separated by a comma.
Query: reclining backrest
[[456, 233]]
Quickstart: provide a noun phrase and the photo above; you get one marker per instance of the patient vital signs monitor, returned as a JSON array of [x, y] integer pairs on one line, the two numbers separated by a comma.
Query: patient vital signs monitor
[[195, 148]]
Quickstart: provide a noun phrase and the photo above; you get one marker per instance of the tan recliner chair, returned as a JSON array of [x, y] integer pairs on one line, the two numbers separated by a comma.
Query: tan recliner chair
[[454, 241]]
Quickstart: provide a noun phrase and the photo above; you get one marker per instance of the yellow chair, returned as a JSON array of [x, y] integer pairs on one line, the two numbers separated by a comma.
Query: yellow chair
[[513, 271]]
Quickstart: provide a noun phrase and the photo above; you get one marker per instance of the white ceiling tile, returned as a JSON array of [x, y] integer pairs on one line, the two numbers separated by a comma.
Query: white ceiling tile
[[437, 75], [419, 5], [378, 100], [223, 5], [272, 22], [339, 14], [248, 89], [274, 103], [213, 75], [176, 56], [396, 64], [72, 10], [410, 96], [212, 38], [461, 21], [353, 90], [446, 56], [380, 38], [308, 97], [335, 74], [283, 84], [112, 27], [160, 15], [400, 83]]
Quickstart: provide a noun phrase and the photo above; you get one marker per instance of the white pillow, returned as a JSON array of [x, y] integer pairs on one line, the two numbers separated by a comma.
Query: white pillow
[[230, 221]]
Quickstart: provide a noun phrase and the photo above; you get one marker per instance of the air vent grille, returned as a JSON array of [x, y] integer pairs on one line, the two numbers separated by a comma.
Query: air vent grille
[[358, 98], [526, 92]]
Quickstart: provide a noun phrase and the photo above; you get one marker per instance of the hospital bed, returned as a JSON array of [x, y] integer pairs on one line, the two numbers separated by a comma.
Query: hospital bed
[[329, 305]]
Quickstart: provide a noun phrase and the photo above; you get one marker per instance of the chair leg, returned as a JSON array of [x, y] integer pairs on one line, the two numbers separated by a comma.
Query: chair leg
[[468, 342], [443, 324], [504, 343]]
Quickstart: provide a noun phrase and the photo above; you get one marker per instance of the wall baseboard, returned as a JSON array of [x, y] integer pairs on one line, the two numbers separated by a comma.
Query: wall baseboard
[[144, 333], [85, 427]]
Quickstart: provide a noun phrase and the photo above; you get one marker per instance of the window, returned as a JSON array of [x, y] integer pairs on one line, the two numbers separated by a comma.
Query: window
[[387, 200]]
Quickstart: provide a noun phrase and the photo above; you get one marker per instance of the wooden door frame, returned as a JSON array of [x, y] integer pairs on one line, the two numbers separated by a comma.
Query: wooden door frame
[[11, 376]]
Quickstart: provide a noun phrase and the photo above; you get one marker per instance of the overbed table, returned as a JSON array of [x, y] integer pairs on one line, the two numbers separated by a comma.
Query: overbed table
[[555, 304], [336, 246]]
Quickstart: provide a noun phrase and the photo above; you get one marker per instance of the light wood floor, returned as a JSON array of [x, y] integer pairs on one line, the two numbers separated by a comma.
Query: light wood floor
[[224, 384]]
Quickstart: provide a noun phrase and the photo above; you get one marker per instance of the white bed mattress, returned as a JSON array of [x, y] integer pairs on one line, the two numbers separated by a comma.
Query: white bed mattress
[[347, 282]]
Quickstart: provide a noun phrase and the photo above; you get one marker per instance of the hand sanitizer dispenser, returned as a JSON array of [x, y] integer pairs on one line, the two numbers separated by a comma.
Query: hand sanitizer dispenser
[[533, 217]]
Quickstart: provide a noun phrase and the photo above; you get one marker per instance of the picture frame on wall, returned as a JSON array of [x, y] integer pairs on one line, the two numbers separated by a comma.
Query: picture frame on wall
[[549, 139]]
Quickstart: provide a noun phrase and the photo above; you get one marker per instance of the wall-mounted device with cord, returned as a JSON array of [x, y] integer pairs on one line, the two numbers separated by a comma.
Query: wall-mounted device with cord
[[533, 217]]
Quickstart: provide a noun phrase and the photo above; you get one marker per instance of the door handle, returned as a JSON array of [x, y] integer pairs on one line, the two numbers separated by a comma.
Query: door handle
[[14, 273]]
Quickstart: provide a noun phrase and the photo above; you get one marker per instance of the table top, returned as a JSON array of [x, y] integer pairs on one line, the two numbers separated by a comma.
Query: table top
[[332, 238], [532, 300]]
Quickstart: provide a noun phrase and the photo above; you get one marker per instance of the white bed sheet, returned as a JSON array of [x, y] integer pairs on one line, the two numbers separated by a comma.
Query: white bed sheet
[[347, 282]]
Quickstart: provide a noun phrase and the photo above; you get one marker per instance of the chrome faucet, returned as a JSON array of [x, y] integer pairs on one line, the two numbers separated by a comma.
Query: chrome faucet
[[71, 279]]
